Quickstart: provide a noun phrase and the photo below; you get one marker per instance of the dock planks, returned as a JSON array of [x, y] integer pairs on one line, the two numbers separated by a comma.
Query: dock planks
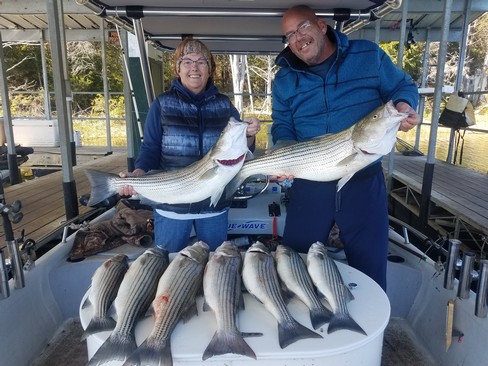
[[43, 201], [457, 190]]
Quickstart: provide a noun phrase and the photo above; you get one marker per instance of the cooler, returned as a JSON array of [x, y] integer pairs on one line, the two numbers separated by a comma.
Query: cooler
[[36, 132]]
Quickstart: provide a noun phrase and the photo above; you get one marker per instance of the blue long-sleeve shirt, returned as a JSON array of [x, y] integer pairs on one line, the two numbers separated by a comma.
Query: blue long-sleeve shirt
[[361, 78]]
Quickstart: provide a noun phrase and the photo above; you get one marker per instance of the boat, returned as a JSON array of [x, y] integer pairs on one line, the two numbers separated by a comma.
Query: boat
[[428, 316]]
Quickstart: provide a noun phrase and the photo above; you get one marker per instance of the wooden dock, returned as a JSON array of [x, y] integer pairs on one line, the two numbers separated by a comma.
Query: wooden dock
[[42, 198], [459, 198]]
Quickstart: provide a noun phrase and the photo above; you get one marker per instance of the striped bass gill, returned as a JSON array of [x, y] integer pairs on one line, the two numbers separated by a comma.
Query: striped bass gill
[[261, 280], [330, 285], [175, 299], [204, 178], [104, 286], [333, 156], [135, 294], [223, 295]]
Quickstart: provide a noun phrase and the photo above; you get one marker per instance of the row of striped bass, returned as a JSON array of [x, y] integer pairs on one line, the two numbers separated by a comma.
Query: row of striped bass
[[261, 280], [223, 295], [293, 273], [330, 157], [175, 299], [204, 178], [133, 299], [330, 285], [103, 289]]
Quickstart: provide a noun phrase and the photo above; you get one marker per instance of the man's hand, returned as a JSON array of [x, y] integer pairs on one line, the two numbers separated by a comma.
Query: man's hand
[[413, 118], [128, 190]]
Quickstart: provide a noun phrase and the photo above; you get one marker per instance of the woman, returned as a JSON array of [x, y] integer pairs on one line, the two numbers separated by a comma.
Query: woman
[[181, 127]]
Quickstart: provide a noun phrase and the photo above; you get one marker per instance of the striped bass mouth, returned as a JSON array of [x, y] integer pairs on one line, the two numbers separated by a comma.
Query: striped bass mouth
[[231, 162]]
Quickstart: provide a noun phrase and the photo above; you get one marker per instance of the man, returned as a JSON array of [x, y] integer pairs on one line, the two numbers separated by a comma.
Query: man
[[326, 84]]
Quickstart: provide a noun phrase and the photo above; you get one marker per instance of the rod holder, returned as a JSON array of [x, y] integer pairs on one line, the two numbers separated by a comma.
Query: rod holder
[[466, 277], [4, 289], [481, 303], [451, 264], [16, 262]]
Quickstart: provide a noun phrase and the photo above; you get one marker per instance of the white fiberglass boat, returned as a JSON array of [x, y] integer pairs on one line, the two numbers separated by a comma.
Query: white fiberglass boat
[[427, 318]]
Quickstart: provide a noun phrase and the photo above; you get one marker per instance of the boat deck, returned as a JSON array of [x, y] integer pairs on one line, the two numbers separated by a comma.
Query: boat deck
[[459, 198], [400, 347], [42, 198]]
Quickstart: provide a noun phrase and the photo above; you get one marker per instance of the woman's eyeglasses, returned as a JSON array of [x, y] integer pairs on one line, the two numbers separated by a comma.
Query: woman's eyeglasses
[[187, 63], [302, 30]]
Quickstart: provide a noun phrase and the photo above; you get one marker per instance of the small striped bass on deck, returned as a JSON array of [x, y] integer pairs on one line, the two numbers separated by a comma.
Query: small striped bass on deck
[[175, 299], [135, 294], [293, 273], [223, 295], [104, 286], [261, 280], [328, 280]]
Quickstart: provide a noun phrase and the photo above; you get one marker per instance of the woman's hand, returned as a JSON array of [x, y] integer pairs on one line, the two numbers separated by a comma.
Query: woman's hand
[[128, 190]]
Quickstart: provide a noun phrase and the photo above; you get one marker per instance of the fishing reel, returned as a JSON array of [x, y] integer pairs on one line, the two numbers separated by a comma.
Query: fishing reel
[[12, 211]]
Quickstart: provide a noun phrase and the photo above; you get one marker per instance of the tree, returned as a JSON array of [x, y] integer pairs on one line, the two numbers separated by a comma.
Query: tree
[[238, 68]]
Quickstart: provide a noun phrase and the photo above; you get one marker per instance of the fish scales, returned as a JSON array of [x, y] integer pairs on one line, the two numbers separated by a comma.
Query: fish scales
[[104, 286], [330, 157], [261, 280], [205, 178], [222, 291], [133, 299], [183, 286], [292, 271], [329, 282], [175, 298]]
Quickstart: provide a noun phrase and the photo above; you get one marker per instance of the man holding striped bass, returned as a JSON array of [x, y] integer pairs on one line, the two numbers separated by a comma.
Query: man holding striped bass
[[325, 85]]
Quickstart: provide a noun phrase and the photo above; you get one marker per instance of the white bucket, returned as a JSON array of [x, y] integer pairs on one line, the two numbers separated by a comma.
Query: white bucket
[[77, 138]]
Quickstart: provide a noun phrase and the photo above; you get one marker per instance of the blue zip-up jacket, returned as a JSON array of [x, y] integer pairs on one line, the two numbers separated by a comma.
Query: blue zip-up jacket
[[180, 129], [361, 78]]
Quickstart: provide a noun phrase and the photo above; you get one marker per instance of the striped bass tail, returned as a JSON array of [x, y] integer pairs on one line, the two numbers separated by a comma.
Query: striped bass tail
[[320, 316], [151, 352], [114, 348], [98, 324], [100, 186], [291, 331], [344, 321], [228, 342]]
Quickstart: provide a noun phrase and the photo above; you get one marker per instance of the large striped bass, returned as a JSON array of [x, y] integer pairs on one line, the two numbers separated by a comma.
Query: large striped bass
[[175, 299], [328, 280], [135, 294], [293, 273], [104, 286], [204, 178], [223, 295], [261, 280], [330, 157]]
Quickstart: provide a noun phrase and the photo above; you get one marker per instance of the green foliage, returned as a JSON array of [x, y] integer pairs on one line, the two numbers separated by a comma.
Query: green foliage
[[24, 66], [116, 106], [412, 58]]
